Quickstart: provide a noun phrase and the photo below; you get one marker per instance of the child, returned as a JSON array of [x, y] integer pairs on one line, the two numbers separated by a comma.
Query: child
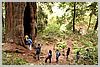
[[30, 43], [26, 39], [57, 55], [38, 50], [68, 51], [49, 57]]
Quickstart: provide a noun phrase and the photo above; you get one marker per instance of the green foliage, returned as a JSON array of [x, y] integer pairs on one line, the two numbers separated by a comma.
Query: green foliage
[[69, 26], [91, 56], [42, 18], [83, 9], [4, 59], [80, 42], [19, 61], [52, 29], [75, 44], [88, 41], [11, 59], [61, 45]]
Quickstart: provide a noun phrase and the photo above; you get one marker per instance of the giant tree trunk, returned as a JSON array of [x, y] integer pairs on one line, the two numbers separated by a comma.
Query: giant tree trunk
[[33, 23], [15, 20], [9, 24]]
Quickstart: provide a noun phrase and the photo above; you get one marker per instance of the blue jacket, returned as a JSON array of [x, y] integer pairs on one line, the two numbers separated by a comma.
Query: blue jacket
[[57, 54], [29, 41]]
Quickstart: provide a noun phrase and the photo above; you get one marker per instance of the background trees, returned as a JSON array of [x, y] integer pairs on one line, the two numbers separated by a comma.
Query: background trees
[[75, 15]]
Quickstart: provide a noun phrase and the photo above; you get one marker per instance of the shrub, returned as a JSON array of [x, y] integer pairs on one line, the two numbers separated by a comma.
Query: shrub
[[11, 59], [52, 29]]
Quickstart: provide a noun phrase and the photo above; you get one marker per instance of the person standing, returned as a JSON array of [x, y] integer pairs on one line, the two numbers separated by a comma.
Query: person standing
[[57, 55], [38, 50], [30, 43], [67, 54], [77, 56], [49, 57]]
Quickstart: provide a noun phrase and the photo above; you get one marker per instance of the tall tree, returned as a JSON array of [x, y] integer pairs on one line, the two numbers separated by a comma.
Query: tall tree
[[96, 25], [15, 17], [74, 17], [93, 9], [90, 20]]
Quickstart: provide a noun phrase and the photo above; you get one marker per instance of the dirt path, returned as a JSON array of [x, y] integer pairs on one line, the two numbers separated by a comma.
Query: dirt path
[[62, 59], [29, 56]]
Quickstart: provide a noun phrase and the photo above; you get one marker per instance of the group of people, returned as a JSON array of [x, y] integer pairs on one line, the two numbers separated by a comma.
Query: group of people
[[28, 41], [58, 54], [49, 57]]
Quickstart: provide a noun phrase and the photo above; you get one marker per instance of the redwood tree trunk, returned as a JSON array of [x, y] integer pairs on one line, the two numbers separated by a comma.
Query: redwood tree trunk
[[15, 20], [9, 23], [33, 23]]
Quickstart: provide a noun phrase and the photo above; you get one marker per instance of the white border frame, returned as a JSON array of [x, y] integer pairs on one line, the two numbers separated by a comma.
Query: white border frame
[[49, 1]]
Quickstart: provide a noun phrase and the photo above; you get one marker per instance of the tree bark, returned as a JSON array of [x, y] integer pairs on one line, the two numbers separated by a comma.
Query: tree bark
[[33, 23], [15, 21], [9, 21]]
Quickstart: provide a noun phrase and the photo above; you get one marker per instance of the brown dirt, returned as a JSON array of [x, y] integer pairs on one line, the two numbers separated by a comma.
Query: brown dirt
[[29, 55]]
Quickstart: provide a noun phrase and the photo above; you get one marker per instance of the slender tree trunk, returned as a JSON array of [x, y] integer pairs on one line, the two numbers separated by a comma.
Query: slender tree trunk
[[89, 21], [74, 17], [96, 25]]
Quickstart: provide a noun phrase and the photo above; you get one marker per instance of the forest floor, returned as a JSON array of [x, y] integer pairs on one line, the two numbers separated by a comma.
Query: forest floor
[[18, 51], [29, 55]]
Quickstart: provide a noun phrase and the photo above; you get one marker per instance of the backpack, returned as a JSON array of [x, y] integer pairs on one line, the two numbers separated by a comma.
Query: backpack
[[49, 55], [59, 54]]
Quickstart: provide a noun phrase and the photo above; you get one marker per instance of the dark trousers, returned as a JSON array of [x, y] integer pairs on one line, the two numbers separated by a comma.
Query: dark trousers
[[67, 57], [77, 58], [47, 59], [38, 56], [57, 59]]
